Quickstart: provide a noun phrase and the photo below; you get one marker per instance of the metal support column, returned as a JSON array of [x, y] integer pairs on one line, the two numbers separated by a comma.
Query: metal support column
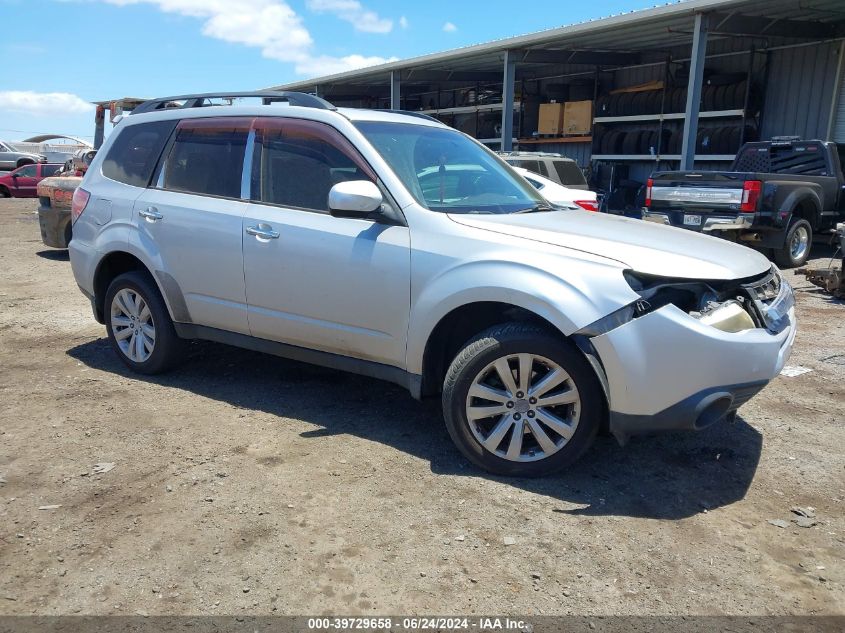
[[508, 81], [395, 87], [99, 126], [696, 77]]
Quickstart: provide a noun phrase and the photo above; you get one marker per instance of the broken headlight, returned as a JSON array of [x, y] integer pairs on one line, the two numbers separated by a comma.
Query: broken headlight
[[718, 305]]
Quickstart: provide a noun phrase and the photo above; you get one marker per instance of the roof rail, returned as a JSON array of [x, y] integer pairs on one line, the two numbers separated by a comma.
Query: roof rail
[[268, 96], [419, 115]]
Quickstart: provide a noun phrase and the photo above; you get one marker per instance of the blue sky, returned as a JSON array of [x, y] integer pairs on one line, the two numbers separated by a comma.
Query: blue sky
[[60, 54]]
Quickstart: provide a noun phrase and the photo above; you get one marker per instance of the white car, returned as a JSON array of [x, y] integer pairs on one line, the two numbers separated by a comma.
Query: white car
[[558, 194], [393, 246]]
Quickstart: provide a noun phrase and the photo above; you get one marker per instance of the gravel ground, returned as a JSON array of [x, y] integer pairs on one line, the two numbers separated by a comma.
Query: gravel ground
[[246, 484]]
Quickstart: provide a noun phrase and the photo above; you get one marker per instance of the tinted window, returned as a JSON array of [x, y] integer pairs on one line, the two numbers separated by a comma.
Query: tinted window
[[134, 153], [50, 170], [27, 172], [569, 173], [207, 157], [446, 171], [530, 165], [300, 161]]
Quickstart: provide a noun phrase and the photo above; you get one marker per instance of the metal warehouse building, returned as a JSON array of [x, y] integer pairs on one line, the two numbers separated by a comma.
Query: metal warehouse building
[[667, 87]]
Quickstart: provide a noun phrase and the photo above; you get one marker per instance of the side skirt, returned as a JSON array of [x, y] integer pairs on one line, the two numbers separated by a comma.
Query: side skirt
[[412, 382]]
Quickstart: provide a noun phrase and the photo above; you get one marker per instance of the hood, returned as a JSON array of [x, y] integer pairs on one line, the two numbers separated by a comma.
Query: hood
[[645, 247]]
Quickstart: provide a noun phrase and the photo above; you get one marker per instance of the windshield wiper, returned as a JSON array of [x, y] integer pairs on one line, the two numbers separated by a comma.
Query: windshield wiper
[[540, 206]]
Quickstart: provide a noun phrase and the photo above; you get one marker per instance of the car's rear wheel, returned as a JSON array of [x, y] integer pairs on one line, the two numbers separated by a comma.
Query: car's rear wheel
[[4, 193], [139, 327], [796, 248], [519, 400]]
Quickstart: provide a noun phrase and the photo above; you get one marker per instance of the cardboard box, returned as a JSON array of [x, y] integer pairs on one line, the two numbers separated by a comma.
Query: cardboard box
[[551, 118], [577, 117]]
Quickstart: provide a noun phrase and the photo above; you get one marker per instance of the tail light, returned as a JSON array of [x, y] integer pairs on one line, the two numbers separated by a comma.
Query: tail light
[[750, 195], [648, 185], [588, 205], [78, 204]]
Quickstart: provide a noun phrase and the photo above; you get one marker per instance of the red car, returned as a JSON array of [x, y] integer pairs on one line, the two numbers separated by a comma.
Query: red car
[[23, 181]]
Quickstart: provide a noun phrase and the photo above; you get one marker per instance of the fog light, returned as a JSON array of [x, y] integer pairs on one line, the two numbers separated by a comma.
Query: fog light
[[729, 317]]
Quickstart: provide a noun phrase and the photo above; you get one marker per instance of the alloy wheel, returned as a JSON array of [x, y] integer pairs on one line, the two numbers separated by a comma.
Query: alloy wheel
[[523, 407], [132, 325], [799, 243]]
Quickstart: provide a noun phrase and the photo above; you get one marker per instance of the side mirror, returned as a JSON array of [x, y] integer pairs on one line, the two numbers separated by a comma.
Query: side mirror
[[354, 199]]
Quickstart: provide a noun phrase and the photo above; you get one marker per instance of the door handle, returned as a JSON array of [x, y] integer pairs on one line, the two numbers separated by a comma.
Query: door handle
[[150, 214], [263, 231]]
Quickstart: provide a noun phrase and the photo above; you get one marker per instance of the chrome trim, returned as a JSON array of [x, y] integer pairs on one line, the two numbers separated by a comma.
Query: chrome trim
[[709, 195], [725, 224], [659, 218]]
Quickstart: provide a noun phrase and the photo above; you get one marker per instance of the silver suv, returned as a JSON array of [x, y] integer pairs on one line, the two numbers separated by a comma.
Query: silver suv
[[391, 245]]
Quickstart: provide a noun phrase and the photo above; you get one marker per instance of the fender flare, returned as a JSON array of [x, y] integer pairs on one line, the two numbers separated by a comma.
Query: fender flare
[[565, 304]]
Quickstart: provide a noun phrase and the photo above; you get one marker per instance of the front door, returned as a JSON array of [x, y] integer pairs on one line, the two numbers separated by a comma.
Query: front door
[[24, 181], [334, 284]]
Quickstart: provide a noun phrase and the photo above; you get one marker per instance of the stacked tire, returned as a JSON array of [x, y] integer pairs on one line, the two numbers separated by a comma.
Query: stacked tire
[[715, 95]]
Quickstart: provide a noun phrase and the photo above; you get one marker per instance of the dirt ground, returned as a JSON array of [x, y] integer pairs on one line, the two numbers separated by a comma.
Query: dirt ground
[[246, 484]]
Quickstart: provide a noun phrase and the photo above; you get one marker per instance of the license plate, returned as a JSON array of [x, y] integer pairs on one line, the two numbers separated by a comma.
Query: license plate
[[692, 220]]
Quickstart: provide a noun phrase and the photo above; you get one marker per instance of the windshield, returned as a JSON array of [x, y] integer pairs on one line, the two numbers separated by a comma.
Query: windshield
[[448, 172]]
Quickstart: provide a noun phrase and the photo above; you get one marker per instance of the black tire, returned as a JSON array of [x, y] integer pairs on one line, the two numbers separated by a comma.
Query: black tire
[[4, 193], [168, 349], [23, 162], [786, 256], [68, 234], [510, 339]]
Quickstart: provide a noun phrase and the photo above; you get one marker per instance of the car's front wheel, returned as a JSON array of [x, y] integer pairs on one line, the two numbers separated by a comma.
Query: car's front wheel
[[139, 326], [519, 400]]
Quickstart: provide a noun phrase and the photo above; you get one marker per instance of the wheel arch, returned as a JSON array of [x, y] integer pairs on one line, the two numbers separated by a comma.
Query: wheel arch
[[804, 203], [116, 263], [458, 326], [23, 161]]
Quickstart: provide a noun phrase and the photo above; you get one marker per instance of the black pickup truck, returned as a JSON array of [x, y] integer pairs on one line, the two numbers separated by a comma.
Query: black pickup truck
[[776, 195]]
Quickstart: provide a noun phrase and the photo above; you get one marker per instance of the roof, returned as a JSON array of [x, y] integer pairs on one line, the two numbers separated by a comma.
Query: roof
[[42, 138], [656, 30]]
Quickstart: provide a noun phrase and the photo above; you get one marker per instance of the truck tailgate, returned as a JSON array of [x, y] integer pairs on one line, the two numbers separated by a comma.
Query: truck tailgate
[[696, 200]]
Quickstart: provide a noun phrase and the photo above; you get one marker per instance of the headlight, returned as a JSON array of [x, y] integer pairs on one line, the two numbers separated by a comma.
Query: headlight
[[730, 316]]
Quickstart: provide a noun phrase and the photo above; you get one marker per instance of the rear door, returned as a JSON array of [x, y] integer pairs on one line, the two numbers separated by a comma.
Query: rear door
[[338, 285], [189, 220]]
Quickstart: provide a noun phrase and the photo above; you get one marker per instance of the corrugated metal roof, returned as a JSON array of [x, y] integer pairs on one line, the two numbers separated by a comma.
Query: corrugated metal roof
[[658, 29]]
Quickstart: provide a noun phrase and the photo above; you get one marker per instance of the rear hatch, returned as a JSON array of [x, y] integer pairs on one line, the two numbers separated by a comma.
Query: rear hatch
[[689, 198]]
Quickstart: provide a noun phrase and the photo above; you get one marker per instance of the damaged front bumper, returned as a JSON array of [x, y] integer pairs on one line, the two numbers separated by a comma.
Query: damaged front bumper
[[667, 370]]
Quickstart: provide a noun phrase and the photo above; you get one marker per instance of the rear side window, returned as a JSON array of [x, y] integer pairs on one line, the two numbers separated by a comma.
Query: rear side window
[[49, 170], [300, 161], [569, 173], [135, 152], [807, 159], [530, 165], [207, 157]]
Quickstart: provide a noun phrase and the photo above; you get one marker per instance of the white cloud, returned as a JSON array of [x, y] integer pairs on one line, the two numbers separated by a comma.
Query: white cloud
[[275, 28], [449, 27], [43, 104], [403, 22], [326, 65], [353, 12]]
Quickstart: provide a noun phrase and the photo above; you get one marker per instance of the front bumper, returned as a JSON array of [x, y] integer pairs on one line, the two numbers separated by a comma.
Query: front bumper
[[667, 371], [53, 224]]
